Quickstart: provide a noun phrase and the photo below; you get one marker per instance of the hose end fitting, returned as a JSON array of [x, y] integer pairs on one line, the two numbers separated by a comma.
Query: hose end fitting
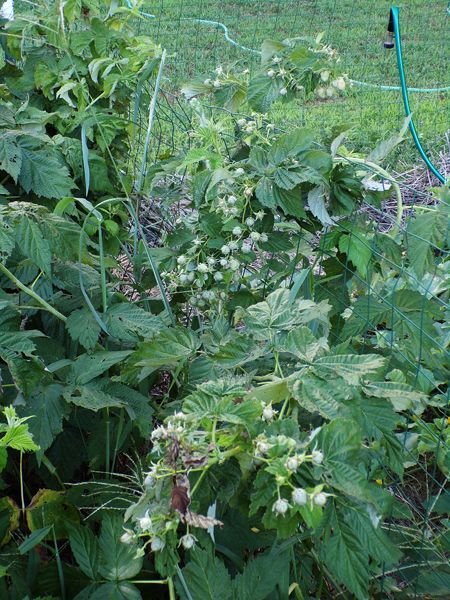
[[389, 42]]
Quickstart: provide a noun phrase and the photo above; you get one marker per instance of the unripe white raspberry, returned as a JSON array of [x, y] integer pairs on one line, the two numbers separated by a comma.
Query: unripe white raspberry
[[320, 499], [263, 447], [149, 481], [188, 541], [145, 523], [317, 457], [299, 496], [127, 538], [202, 268], [268, 413], [292, 463], [281, 506], [157, 544]]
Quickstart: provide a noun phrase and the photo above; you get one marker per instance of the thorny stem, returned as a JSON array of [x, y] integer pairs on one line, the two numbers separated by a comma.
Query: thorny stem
[[31, 293]]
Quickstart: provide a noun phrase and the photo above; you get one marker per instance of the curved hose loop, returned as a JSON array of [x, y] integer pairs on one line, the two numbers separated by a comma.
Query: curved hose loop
[[398, 48], [397, 88]]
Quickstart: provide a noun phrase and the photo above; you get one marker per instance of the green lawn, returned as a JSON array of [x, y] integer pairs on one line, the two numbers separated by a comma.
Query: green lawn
[[355, 27]]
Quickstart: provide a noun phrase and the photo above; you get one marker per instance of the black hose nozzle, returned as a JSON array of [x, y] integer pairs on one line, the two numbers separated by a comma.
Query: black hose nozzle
[[389, 42]]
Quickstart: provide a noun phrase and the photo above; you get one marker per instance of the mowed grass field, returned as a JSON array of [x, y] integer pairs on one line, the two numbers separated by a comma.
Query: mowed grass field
[[356, 28]]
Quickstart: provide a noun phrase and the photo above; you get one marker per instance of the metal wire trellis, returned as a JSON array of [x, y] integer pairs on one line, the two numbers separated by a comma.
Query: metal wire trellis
[[199, 33]]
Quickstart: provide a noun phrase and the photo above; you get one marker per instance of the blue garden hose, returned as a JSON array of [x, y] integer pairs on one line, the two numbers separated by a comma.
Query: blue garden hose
[[394, 27]]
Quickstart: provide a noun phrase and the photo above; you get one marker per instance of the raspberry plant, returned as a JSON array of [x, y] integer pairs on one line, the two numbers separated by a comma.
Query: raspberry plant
[[247, 400]]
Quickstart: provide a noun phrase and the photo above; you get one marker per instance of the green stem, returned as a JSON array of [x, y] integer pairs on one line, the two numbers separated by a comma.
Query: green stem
[[119, 433], [32, 294], [320, 588], [199, 480], [59, 567], [151, 118], [22, 495], [213, 432], [102, 268], [149, 581], [324, 571], [171, 589], [278, 370], [102, 95], [283, 408], [29, 307], [61, 16], [36, 280], [108, 449], [426, 563]]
